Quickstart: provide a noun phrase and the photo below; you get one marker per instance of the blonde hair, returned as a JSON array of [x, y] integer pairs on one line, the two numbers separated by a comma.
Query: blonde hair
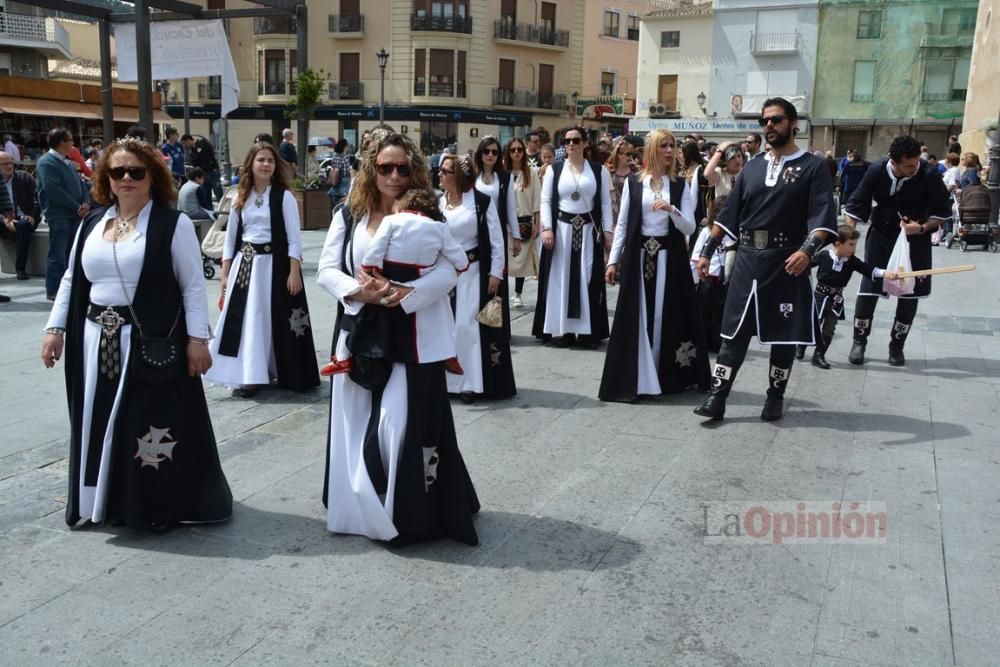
[[619, 146], [653, 166]]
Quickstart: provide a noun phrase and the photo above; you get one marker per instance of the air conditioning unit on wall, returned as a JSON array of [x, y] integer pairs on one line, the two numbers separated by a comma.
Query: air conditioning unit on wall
[[658, 110]]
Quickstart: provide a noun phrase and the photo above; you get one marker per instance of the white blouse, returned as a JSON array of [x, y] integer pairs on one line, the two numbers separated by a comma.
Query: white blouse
[[586, 185], [257, 224], [106, 288], [654, 223], [493, 190], [465, 230]]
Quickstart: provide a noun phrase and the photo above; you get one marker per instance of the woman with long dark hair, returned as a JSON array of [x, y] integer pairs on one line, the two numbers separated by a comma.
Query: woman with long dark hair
[[483, 351], [264, 333], [576, 228], [527, 194], [133, 311], [394, 471], [657, 343]]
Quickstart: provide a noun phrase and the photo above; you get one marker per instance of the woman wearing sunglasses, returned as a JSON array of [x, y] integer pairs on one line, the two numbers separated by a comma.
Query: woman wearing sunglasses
[[528, 196], [132, 309], [493, 180], [619, 165], [394, 470], [657, 342], [484, 352], [263, 334], [576, 228]]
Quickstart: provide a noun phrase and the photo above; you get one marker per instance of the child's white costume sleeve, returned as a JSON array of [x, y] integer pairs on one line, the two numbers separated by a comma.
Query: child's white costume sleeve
[[451, 251], [377, 247]]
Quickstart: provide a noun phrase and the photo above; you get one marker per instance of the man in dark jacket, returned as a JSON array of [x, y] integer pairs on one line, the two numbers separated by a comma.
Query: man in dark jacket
[[20, 210], [63, 201]]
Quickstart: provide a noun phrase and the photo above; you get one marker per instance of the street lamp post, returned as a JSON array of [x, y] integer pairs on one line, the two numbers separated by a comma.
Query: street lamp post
[[383, 58]]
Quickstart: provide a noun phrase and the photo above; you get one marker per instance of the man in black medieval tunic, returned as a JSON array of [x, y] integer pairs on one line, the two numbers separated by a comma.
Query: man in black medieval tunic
[[782, 211], [910, 195]]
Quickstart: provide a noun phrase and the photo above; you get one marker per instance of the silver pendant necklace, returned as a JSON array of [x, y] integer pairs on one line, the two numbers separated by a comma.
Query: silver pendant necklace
[[259, 200], [576, 182]]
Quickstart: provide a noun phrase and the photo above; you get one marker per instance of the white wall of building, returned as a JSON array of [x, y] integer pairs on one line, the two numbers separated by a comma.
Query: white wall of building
[[691, 61], [738, 71]]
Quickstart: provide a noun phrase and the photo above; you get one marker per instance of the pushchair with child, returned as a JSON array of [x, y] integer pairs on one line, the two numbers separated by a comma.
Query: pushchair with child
[[974, 219]]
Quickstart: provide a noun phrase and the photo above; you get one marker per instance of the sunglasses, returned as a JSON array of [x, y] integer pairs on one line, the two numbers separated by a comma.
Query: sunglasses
[[446, 172], [386, 169], [516, 149], [491, 151], [772, 120], [135, 173], [572, 140]]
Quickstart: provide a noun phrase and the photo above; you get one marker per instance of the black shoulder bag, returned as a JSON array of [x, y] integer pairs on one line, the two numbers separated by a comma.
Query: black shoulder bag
[[156, 360]]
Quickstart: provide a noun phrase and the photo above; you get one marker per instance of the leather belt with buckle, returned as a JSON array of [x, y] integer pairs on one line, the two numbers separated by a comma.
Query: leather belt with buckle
[[654, 244], [826, 289], [578, 220], [762, 239], [111, 318], [251, 249]]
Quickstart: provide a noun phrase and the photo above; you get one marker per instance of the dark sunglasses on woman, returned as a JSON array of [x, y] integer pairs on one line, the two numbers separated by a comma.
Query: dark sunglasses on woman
[[572, 140], [135, 173], [516, 149], [491, 151], [386, 169]]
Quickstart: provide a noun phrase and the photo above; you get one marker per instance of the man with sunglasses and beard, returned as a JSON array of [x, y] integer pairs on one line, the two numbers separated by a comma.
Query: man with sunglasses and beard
[[782, 212]]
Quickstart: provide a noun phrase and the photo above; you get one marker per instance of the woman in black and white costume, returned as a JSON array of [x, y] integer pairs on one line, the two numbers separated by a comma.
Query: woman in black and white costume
[[657, 342], [394, 471], [264, 333], [576, 228], [484, 352], [142, 450]]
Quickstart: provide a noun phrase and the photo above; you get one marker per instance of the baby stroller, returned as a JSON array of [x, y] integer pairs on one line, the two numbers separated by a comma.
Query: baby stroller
[[974, 219], [215, 237]]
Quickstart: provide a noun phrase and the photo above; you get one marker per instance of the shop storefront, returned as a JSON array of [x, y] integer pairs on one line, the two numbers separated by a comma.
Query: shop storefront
[[712, 129]]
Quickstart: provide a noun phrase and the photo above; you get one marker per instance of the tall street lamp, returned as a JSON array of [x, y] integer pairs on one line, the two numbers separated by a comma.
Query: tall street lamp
[[383, 58]]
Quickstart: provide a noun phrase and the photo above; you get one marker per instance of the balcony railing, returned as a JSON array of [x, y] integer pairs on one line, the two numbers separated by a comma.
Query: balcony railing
[[347, 90], [420, 21], [953, 96], [422, 89], [210, 91], [527, 99], [347, 23], [535, 34], [774, 42], [934, 38], [25, 28], [272, 88], [274, 25]]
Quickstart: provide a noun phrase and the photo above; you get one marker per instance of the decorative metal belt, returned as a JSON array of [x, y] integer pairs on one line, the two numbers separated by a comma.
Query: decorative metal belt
[[652, 245], [111, 319], [826, 289], [577, 221], [762, 239]]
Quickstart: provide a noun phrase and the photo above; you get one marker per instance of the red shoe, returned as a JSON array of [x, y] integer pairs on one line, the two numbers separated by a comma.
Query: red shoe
[[336, 367], [452, 366]]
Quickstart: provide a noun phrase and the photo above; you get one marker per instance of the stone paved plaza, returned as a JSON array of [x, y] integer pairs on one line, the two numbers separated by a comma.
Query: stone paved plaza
[[593, 548]]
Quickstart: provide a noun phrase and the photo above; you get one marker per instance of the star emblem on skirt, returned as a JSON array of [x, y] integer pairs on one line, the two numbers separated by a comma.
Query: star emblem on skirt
[[685, 354], [299, 321], [155, 447]]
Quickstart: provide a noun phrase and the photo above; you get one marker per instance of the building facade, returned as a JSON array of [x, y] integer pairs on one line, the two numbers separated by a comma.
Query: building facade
[[890, 68], [982, 103], [762, 49], [675, 64], [457, 69]]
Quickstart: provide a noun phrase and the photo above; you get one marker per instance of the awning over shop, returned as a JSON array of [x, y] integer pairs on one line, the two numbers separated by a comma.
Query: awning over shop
[[31, 106], [35, 107]]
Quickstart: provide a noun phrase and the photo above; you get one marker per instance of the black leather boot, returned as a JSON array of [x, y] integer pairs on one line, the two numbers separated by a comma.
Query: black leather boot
[[800, 351], [819, 360], [897, 338], [862, 327], [774, 404], [714, 406]]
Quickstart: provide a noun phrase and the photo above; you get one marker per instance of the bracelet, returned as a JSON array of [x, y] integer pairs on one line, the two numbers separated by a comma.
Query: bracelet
[[710, 247], [812, 244], [55, 331], [200, 341]]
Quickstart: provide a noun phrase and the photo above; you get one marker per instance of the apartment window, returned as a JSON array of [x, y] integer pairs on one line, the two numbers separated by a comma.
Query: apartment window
[[670, 39], [958, 21], [272, 65], [633, 28], [667, 91], [419, 73], [216, 4], [607, 83], [870, 25], [864, 81], [546, 87], [506, 75], [442, 72], [611, 24], [548, 16], [293, 68], [444, 9], [508, 11], [460, 74], [4, 64], [946, 79]]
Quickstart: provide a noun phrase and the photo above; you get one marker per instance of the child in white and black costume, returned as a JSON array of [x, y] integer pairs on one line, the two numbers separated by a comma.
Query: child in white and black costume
[[408, 243], [835, 265]]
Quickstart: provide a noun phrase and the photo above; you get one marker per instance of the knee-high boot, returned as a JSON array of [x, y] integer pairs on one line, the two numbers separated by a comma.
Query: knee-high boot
[[777, 381], [714, 407]]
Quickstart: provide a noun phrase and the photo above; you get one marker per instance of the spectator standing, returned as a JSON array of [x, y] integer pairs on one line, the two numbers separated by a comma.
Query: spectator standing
[[534, 147], [94, 156], [63, 202], [203, 157], [753, 142], [954, 146], [724, 167], [287, 148], [973, 168], [22, 214], [851, 174], [172, 149], [339, 176], [190, 199]]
